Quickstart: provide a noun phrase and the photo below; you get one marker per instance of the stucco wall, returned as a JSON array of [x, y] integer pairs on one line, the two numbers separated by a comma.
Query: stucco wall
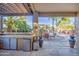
[[77, 31]]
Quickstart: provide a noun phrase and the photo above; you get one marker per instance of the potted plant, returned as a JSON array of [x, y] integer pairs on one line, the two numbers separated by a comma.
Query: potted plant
[[72, 40]]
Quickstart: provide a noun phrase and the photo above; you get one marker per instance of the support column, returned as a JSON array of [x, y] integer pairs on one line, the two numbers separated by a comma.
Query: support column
[[1, 27], [35, 17], [1, 23], [35, 22], [35, 28], [77, 31]]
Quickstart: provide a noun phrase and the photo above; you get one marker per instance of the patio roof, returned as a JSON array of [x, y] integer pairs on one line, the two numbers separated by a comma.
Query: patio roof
[[43, 9], [14, 9], [56, 9]]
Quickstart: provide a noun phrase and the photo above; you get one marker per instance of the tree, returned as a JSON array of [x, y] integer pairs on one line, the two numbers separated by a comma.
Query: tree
[[54, 19], [21, 24], [63, 21], [16, 24], [63, 24], [9, 23]]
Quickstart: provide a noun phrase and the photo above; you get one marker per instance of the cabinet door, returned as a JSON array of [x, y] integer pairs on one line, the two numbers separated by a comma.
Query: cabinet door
[[6, 43], [19, 43], [13, 43], [26, 44]]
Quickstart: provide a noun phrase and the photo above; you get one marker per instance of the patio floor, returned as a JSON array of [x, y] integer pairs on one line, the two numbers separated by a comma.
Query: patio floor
[[53, 47]]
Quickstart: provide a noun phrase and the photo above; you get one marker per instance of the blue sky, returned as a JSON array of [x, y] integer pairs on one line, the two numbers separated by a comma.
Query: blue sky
[[45, 20], [29, 19]]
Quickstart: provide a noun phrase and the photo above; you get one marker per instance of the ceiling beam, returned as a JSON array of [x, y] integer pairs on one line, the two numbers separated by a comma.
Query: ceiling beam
[[14, 7], [7, 6], [21, 8], [57, 14], [27, 7], [32, 7], [15, 14], [4, 9]]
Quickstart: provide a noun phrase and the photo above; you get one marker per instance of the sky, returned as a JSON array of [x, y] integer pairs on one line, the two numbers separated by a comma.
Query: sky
[[45, 20]]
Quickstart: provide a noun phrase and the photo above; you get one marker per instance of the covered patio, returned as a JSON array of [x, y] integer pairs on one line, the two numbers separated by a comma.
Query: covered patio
[[19, 42]]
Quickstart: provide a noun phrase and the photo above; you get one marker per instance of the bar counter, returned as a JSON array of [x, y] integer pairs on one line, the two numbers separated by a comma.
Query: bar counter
[[16, 41]]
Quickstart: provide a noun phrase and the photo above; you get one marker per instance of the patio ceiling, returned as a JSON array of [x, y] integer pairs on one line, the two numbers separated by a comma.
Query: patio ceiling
[[14, 8], [56, 7], [43, 9]]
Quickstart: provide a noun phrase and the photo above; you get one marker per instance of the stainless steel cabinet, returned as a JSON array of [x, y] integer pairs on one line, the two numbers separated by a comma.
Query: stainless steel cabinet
[[6, 44], [26, 44], [9, 43], [13, 43]]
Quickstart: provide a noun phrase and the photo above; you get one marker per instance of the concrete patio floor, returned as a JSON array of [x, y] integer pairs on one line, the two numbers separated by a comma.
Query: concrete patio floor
[[53, 47]]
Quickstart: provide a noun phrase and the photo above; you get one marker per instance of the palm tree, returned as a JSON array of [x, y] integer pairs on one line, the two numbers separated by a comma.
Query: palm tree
[[9, 23], [62, 22], [58, 22], [21, 24], [54, 19]]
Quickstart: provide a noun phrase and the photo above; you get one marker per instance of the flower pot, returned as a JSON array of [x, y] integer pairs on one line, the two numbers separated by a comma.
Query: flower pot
[[1, 46], [72, 43], [40, 42]]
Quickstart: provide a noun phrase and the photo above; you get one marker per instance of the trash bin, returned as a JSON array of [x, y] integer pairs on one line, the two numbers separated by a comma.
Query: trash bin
[[36, 45]]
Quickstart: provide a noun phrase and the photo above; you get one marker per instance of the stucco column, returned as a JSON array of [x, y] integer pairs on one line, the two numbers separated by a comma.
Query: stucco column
[[77, 31], [1, 23], [35, 28], [35, 22], [35, 17]]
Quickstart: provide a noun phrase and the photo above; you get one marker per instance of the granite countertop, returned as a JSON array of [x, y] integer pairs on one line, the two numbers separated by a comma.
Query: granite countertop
[[16, 35]]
